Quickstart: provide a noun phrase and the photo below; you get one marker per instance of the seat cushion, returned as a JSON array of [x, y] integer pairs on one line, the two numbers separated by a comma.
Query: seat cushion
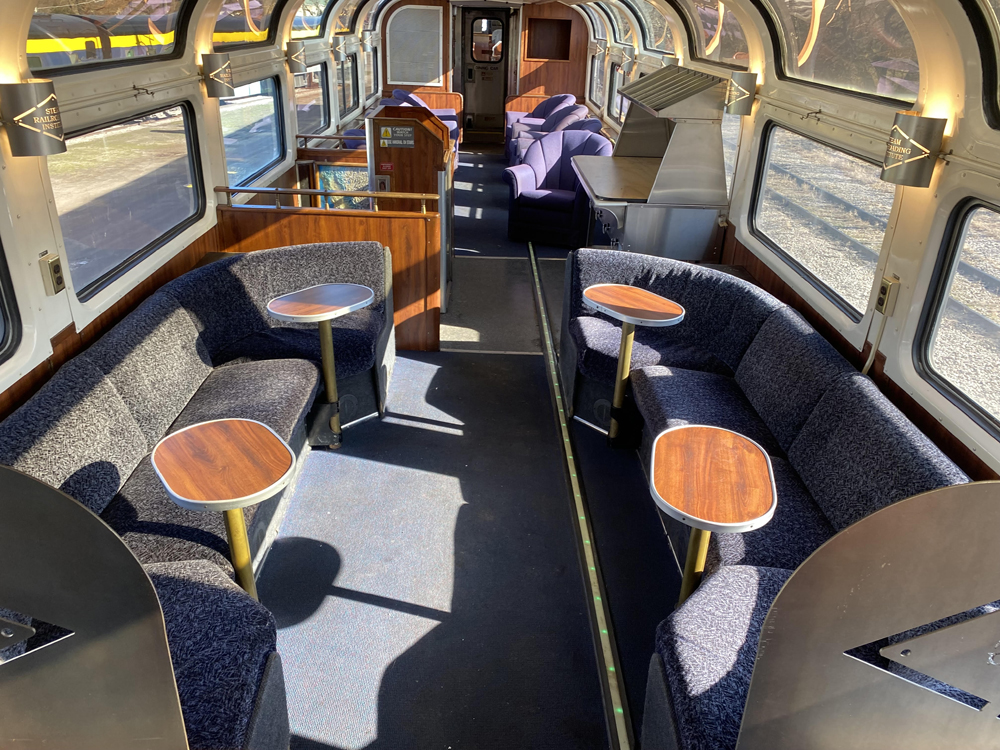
[[670, 397], [549, 200], [598, 342], [797, 528], [708, 646], [220, 640], [785, 372], [355, 337], [857, 454]]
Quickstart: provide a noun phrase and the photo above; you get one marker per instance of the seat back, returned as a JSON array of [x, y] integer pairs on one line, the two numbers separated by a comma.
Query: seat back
[[590, 124], [562, 118], [551, 104], [550, 157], [354, 144], [408, 98], [857, 453]]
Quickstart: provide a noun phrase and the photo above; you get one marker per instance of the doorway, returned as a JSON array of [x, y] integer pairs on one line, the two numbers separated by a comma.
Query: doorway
[[484, 63]]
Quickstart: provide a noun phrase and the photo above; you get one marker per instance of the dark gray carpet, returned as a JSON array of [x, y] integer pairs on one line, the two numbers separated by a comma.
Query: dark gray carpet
[[481, 198], [426, 581]]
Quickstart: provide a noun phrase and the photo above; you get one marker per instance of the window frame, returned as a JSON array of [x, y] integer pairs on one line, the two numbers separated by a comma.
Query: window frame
[[11, 313], [503, 40], [375, 75], [184, 17], [353, 57], [612, 92], [279, 117], [327, 120], [856, 316], [949, 255], [99, 284], [272, 32], [590, 86]]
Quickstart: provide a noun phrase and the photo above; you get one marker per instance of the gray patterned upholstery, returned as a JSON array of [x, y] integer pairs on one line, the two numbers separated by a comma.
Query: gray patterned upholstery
[[797, 528], [857, 453], [220, 640], [12, 652], [708, 647], [75, 434], [670, 397], [786, 370], [154, 361]]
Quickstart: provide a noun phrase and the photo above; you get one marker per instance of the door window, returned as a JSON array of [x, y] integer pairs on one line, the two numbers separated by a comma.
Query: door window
[[487, 40]]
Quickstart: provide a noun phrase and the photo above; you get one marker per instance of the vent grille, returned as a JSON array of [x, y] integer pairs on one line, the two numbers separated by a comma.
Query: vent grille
[[667, 86]]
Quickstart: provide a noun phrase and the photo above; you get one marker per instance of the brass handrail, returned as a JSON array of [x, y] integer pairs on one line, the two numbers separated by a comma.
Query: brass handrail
[[422, 197]]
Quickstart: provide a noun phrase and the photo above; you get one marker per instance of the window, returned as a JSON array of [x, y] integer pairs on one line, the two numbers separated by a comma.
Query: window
[[621, 25], [66, 33], [596, 22], [597, 78], [311, 106], [863, 47], [347, 84], [371, 73], [655, 33], [343, 23], [618, 106], [722, 37], [251, 131], [123, 191], [730, 143], [548, 38], [236, 26], [308, 21], [413, 47], [487, 40], [10, 318], [825, 212], [963, 346]]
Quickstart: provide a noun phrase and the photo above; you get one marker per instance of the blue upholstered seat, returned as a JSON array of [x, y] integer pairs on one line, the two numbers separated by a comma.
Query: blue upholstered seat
[[546, 200], [520, 142], [538, 114], [561, 119], [401, 97], [354, 144]]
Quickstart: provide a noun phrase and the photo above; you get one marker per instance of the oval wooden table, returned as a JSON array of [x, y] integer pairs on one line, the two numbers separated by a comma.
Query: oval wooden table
[[321, 304], [710, 479], [225, 465], [633, 307]]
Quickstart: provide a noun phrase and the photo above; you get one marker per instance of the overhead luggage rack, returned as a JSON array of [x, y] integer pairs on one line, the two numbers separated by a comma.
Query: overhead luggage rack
[[663, 191]]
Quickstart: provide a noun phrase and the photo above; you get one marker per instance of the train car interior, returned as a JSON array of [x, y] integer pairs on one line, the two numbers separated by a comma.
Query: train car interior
[[499, 374]]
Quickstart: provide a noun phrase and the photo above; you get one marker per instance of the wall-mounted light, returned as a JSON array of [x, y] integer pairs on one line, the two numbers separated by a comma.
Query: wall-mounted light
[[30, 115], [296, 52], [913, 148], [218, 73], [741, 93]]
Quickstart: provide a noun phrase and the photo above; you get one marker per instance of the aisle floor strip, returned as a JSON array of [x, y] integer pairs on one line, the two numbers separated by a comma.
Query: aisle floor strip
[[620, 730]]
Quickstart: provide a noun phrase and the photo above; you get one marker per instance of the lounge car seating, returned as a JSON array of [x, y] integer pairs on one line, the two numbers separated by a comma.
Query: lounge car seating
[[202, 347], [354, 144], [558, 120], [525, 138], [403, 98], [742, 360], [538, 115], [547, 203]]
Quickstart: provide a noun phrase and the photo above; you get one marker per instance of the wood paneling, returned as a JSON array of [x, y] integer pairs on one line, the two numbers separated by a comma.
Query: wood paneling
[[413, 239], [411, 170], [548, 38], [69, 342], [735, 253], [551, 77], [445, 49]]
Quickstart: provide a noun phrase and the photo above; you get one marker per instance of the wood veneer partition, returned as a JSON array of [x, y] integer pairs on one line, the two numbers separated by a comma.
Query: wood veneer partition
[[735, 253], [69, 342], [549, 77], [414, 240]]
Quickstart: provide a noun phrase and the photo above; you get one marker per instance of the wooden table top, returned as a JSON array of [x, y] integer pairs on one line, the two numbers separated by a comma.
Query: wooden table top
[[223, 464], [633, 305], [712, 479], [617, 178], [320, 302]]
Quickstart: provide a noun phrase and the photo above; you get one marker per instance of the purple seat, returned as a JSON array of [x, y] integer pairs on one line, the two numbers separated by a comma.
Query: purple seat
[[547, 203], [558, 120], [538, 114], [403, 98], [524, 139], [354, 144]]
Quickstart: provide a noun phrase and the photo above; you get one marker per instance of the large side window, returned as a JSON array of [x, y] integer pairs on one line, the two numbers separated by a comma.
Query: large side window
[[69, 33], [863, 47], [825, 212], [597, 79], [721, 38], [10, 318], [251, 130], [371, 73], [962, 334], [241, 23], [730, 143], [618, 104], [308, 21], [123, 191], [311, 105], [347, 84]]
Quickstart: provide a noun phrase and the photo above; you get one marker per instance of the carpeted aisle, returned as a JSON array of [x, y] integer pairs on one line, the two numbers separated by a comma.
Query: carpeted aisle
[[481, 206]]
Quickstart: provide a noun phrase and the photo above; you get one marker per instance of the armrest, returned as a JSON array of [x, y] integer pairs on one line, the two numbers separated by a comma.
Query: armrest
[[520, 178], [524, 125]]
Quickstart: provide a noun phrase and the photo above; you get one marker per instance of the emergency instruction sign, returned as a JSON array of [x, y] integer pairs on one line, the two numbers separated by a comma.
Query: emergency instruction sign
[[396, 136]]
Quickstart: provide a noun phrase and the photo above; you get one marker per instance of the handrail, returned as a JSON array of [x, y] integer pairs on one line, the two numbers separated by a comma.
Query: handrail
[[422, 197], [332, 137]]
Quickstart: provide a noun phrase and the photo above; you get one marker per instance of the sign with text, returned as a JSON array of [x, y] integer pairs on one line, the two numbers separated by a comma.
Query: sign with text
[[912, 149], [31, 115], [396, 136]]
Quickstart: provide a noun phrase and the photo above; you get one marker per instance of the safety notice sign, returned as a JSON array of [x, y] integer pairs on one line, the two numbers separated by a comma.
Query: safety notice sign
[[396, 136]]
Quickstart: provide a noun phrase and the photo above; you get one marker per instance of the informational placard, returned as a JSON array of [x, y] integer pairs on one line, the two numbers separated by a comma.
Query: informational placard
[[396, 136], [912, 149]]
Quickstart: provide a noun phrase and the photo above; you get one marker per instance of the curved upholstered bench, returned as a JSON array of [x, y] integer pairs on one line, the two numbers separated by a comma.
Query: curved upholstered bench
[[203, 347]]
